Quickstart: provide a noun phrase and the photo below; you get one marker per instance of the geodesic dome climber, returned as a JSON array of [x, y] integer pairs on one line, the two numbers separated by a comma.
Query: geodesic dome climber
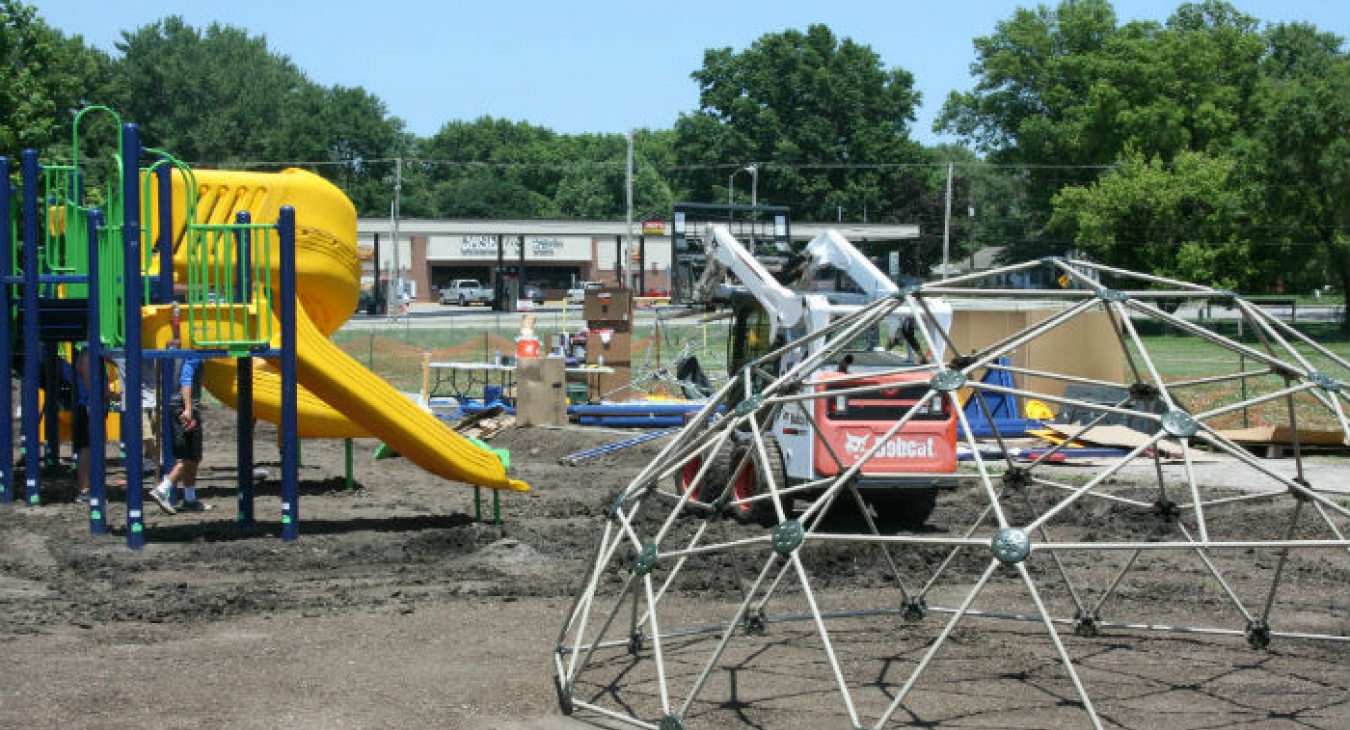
[[715, 598]]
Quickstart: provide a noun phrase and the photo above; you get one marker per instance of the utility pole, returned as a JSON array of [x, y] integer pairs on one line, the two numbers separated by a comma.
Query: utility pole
[[947, 224], [754, 184], [393, 294], [628, 232]]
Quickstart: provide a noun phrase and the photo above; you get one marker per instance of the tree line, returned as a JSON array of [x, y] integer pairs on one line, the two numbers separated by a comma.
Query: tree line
[[1208, 147]]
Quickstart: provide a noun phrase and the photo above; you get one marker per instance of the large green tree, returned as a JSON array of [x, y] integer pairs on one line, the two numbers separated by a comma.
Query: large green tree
[[1179, 220], [523, 171], [348, 136], [44, 78], [810, 110], [1227, 142], [1065, 92], [1295, 159], [481, 169], [209, 97], [222, 97]]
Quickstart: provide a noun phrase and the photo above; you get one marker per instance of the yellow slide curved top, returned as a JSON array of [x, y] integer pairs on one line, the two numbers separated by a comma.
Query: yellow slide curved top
[[339, 398]]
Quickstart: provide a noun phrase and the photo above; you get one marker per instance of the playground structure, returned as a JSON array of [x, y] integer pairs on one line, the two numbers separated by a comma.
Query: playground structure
[[201, 276], [642, 644]]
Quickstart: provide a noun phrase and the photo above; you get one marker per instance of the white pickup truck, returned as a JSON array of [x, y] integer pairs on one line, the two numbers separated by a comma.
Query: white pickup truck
[[466, 291]]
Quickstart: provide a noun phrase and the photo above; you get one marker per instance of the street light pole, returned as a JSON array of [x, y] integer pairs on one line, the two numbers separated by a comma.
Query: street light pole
[[947, 225], [628, 231], [754, 183], [394, 292]]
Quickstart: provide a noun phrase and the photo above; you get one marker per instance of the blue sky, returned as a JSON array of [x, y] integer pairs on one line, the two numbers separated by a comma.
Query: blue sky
[[594, 65]]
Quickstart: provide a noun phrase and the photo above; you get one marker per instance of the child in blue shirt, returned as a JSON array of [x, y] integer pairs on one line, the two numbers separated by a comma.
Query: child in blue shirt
[[185, 419]]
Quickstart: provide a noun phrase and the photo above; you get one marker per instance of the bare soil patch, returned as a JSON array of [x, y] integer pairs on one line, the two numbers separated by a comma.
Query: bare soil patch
[[396, 609]]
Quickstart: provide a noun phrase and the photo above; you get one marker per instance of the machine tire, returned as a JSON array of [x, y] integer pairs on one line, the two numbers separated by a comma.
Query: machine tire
[[906, 510], [752, 481], [714, 481]]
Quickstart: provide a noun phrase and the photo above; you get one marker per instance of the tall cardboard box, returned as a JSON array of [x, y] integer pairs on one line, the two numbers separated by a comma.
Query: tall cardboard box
[[541, 391], [618, 351], [1085, 346], [609, 309], [613, 386]]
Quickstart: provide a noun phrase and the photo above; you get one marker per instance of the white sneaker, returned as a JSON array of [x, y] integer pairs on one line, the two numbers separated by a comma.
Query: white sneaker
[[161, 498]]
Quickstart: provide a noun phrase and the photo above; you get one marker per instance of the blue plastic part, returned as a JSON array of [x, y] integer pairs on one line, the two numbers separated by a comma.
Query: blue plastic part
[[470, 407], [1083, 452], [1002, 407], [634, 409], [633, 421]]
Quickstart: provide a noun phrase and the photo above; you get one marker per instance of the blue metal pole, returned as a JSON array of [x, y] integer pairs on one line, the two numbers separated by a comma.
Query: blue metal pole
[[31, 352], [131, 252], [98, 435], [244, 380], [164, 242], [6, 335], [164, 295], [244, 377], [242, 259], [290, 452]]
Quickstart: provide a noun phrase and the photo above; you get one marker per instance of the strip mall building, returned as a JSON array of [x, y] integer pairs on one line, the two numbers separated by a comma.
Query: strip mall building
[[557, 254]]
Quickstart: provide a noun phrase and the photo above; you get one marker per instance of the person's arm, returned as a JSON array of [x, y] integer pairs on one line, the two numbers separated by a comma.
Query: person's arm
[[185, 381]]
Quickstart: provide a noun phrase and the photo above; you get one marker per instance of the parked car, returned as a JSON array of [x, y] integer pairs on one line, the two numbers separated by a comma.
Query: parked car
[[579, 291], [532, 293], [466, 291]]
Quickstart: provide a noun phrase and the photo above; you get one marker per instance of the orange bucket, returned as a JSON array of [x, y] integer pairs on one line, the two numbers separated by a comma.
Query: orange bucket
[[527, 347]]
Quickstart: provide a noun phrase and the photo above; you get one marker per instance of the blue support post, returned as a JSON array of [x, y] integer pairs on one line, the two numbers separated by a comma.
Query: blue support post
[[6, 335], [244, 373], [164, 295], [244, 414], [164, 242], [243, 260], [98, 436], [290, 456], [131, 251], [31, 352]]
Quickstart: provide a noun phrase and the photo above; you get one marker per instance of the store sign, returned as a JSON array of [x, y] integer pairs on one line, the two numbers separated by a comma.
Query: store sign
[[653, 228], [544, 246], [487, 246]]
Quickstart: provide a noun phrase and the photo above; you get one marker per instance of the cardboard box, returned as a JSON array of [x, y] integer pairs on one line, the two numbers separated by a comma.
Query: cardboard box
[[613, 385], [1085, 346], [617, 325], [608, 304], [541, 385], [619, 350]]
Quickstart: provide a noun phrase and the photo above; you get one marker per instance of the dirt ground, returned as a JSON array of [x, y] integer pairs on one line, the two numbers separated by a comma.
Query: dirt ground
[[395, 609]]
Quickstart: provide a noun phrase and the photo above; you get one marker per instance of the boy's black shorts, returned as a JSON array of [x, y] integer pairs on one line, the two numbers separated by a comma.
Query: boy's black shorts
[[187, 443]]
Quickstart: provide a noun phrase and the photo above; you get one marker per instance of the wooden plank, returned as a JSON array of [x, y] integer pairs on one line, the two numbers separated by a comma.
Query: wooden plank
[[1285, 435]]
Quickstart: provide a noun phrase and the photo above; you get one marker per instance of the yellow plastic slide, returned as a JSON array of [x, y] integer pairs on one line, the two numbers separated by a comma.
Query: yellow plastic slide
[[339, 397]]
